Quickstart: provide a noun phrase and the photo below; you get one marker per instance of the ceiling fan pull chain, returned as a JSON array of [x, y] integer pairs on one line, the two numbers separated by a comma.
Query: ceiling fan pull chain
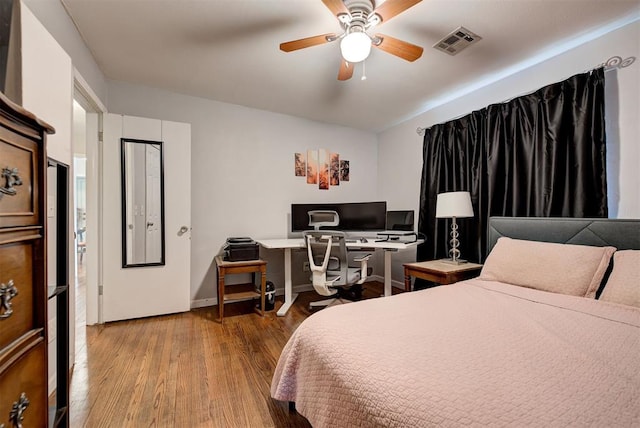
[[364, 75]]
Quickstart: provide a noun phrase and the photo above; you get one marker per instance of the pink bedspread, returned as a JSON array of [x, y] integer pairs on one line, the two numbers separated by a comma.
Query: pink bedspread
[[472, 353]]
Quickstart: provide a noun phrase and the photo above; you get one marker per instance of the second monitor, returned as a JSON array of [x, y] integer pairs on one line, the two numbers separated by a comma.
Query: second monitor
[[400, 220]]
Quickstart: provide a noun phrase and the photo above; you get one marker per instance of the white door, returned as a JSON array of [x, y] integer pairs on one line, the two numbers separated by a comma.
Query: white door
[[135, 292], [153, 212]]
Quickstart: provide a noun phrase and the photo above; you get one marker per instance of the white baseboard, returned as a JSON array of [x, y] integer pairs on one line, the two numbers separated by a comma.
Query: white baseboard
[[376, 278], [380, 278], [396, 284], [203, 303], [297, 289]]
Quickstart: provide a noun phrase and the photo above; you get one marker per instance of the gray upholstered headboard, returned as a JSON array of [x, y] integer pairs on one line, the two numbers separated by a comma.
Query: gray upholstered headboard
[[622, 234]]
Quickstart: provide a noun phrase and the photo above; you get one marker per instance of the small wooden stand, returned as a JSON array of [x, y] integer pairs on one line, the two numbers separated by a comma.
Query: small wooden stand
[[439, 272], [249, 266]]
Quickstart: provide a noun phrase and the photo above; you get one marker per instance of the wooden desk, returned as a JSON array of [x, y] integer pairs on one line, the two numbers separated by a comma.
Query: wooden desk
[[439, 272], [249, 266]]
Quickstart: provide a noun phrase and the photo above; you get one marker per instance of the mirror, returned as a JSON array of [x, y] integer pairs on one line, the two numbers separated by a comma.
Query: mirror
[[142, 203]]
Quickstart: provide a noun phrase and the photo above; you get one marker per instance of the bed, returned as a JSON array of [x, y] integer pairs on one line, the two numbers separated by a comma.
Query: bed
[[525, 344]]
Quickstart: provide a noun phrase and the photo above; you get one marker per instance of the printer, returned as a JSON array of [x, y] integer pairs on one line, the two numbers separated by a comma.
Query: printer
[[240, 249]]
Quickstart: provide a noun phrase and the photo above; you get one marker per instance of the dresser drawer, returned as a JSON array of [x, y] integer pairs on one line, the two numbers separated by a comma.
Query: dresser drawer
[[16, 285], [18, 180], [25, 374]]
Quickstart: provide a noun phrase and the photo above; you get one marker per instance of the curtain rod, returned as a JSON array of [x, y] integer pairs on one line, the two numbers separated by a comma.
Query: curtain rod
[[613, 63], [616, 62]]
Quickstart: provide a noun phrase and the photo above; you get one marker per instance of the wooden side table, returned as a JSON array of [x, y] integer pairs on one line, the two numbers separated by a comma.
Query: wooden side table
[[249, 266], [439, 272]]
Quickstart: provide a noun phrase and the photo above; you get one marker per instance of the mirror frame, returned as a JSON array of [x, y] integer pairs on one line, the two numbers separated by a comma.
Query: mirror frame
[[123, 175]]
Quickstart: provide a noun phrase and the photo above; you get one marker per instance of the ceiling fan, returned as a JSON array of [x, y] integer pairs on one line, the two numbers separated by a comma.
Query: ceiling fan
[[357, 17]]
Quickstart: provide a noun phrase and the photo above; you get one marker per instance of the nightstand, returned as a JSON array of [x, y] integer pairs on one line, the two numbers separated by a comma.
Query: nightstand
[[439, 272]]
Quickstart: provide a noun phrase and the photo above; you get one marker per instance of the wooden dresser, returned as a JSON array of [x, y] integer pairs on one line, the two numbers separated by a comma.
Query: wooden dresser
[[23, 287]]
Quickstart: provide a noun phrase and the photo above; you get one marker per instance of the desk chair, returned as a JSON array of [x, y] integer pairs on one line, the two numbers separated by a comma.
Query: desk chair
[[329, 265]]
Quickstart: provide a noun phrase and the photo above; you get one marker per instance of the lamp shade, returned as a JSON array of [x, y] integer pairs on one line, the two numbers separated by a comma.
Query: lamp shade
[[454, 204], [355, 47]]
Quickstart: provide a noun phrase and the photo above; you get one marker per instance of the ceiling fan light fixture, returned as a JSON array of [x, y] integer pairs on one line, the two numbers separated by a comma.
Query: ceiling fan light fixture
[[355, 47]]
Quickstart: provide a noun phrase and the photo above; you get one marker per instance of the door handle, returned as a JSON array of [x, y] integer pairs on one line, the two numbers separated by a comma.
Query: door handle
[[149, 224], [183, 230]]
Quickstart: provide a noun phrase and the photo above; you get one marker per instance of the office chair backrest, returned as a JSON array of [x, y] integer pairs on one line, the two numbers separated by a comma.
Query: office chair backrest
[[323, 218], [327, 254]]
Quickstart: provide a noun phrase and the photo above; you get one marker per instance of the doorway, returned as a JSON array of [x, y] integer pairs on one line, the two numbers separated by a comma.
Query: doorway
[[87, 123], [80, 223]]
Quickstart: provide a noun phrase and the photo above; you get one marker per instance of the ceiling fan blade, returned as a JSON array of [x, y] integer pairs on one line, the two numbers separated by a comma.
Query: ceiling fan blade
[[336, 7], [399, 48], [346, 70], [391, 8], [294, 45]]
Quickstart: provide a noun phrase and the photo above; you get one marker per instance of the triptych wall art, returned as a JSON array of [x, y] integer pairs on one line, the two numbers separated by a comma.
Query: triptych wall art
[[321, 167]]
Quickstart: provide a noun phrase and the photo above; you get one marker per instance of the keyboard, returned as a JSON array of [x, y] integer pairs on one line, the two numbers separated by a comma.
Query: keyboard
[[396, 232]]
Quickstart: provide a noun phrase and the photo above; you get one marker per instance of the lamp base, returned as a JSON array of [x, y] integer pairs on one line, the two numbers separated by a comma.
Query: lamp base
[[454, 262]]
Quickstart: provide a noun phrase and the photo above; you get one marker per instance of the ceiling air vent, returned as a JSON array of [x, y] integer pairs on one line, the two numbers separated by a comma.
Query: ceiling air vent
[[456, 41]]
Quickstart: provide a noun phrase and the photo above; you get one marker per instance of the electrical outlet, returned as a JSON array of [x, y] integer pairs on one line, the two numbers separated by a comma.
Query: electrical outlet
[[305, 267]]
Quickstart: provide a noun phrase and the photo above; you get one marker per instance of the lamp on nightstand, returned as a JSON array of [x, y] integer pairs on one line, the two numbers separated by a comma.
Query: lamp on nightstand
[[454, 205]]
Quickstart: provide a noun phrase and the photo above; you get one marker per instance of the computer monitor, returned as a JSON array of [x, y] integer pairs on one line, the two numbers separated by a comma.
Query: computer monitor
[[354, 216], [400, 220]]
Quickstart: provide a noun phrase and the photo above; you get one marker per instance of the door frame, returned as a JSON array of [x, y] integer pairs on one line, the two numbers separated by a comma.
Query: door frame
[[88, 99]]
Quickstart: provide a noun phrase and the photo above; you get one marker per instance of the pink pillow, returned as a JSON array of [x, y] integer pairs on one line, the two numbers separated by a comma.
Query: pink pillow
[[576, 270], [623, 285]]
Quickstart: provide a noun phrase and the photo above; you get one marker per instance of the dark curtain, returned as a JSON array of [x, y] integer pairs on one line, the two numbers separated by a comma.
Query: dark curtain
[[538, 155]]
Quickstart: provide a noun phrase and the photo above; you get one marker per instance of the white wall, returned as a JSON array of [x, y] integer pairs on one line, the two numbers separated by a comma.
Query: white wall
[[400, 147], [242, 174], [47, 84], [47, 92], [54, 17]]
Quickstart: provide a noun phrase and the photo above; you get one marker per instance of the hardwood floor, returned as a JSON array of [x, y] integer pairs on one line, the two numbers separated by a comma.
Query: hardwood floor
[[187, 369]]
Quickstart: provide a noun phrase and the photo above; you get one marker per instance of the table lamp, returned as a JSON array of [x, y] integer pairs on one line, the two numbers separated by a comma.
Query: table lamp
[[454, 205]]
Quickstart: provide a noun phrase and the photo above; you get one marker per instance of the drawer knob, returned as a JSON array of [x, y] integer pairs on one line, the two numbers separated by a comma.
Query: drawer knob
[[16, 416], [11, 178], [7, 292]]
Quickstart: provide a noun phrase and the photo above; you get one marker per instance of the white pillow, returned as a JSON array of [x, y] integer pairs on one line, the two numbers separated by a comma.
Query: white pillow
[[623, 285], [559, 268]]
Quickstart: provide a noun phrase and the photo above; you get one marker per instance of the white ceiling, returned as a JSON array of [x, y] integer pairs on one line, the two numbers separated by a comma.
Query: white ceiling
[[228, 50]]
